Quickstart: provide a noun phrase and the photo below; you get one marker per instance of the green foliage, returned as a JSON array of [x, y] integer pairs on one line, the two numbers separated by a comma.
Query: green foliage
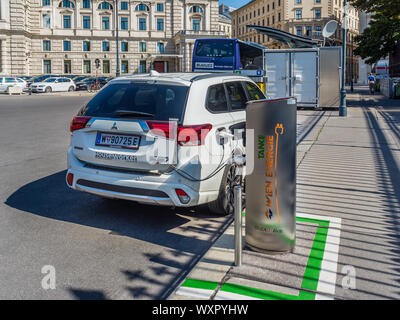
[[380, 38]]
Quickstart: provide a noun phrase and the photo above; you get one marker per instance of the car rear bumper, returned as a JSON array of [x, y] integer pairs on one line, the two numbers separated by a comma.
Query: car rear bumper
[[143, 188]]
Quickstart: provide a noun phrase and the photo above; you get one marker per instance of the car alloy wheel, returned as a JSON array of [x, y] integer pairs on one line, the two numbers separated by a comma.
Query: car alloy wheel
[[232, 180]]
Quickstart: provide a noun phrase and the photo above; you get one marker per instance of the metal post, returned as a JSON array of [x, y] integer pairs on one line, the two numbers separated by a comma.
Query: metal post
[[117, 39], [238, 225], [343, 107], [352, 65]]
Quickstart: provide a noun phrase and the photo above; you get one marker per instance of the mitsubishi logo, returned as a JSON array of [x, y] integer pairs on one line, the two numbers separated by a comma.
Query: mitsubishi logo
[[114, 126]]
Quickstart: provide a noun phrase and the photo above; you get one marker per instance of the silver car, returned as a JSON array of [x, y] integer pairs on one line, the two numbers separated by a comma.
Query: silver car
[[6, 82]]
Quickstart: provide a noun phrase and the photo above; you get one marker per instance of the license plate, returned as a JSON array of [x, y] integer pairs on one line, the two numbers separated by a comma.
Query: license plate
[[117, 140]]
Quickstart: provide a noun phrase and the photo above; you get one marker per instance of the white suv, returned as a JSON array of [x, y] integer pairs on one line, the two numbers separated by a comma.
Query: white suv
[[163, 139]]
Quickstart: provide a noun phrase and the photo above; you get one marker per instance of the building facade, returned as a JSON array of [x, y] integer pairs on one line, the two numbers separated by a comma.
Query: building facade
[[305, 18], [68, 36]]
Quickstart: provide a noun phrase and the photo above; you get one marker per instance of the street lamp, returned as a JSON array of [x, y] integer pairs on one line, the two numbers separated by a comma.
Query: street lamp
[[343, 107], [116, 31]]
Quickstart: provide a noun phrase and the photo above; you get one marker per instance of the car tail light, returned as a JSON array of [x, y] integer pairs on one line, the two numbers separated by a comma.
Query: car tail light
[[162, 128], [70, 179], [79, 122], [187, 135], [182, 195], [193, 135]]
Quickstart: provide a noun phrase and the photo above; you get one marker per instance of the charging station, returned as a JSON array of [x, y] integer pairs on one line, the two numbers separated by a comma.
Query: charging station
[[271, 186]]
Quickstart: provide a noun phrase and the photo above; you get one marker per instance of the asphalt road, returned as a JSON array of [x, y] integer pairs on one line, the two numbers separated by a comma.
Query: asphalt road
[[99, 248]]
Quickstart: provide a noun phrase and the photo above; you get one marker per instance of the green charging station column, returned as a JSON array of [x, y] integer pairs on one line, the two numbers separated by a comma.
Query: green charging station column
[[271, 177]]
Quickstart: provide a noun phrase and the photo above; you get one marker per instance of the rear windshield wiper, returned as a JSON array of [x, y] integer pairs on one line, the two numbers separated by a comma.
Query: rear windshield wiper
[[128, 113]]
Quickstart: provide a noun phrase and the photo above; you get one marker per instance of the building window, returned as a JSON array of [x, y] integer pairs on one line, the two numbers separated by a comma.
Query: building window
[[196, 24], [160, 47], [46, 45], [160, 24], [279, 16], [273, 19], [106, 46], [86, 4], [308, 31], [298, 1], [124, 23], [45, 3], [317, 1], [124, 46], [67, 67], [46, 21], [67, 4], [299, 31], [67, 22], [317, 13], [141, 7], [86, 45], [67, 45], [104, 6], [298, 14], [46, 66], [142, 24], [86, 66], [124, 5], [160, 7], [105, 23], [106, 66], [124, 66], [318, 30], [86, 22], [196, 9], [142, 46], [142, 66]]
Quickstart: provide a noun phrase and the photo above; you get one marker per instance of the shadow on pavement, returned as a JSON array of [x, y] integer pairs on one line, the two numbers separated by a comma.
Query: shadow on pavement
[[50, 197]]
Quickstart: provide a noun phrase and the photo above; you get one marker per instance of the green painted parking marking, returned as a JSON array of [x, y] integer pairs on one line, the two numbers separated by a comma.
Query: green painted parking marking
[[310, 277], [200, 284]]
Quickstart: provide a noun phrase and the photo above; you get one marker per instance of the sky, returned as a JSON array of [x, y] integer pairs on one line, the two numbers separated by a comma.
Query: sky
[[234, 3]]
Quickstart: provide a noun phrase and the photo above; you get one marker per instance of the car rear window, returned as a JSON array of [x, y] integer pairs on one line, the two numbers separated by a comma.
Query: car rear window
[[162, 101]]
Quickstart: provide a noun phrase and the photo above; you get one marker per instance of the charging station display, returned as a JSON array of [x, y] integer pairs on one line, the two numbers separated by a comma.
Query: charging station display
[[271, 184]]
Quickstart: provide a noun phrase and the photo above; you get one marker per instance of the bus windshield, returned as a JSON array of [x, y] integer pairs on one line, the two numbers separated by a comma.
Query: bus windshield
[[215, 48]]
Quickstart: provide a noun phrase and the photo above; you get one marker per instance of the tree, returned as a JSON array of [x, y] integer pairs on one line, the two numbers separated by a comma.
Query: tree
[[380, 38]]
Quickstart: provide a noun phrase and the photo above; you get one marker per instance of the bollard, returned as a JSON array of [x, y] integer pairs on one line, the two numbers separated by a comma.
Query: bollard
[[238, 225]]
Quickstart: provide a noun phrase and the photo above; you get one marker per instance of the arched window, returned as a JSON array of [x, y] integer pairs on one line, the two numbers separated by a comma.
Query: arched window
[[66, 4], [196, 9], [105, 5], [141, 7], [86, 4]]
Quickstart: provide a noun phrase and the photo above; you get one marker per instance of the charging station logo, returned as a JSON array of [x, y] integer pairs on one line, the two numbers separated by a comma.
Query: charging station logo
[[268, 149]]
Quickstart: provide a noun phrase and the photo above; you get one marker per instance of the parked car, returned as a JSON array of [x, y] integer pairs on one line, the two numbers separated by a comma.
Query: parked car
[[41, 78], [6, 82], [53, 84], [86, 82], [80, 79], [123, 145]]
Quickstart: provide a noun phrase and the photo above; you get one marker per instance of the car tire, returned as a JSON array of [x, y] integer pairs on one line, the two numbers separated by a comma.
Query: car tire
[[71, 88], [223, 205], [48, 90]]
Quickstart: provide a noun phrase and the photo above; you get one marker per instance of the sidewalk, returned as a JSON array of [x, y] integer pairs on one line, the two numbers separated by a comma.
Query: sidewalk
[[348, 209]]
